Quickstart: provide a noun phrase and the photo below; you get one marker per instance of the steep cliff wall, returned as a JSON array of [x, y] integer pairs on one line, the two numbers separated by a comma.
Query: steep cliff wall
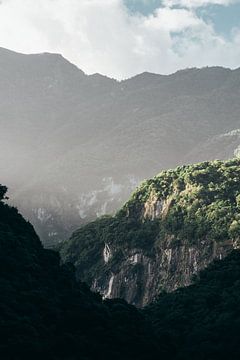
[[173, 226]]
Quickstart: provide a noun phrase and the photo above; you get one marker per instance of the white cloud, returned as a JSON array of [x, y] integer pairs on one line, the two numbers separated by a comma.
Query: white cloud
[[102, 36], [198, 3], [172, 20]]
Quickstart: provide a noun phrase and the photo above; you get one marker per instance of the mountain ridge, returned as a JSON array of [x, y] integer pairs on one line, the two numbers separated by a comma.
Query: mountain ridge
[[13, 53], [85, 141]]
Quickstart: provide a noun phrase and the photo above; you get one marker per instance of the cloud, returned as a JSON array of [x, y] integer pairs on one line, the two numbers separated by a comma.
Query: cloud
[[198, 3], [103, 36], [172, 20]]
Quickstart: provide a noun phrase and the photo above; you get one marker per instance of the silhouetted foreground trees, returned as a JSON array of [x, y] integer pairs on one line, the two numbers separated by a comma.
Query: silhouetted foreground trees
[[46, 314]]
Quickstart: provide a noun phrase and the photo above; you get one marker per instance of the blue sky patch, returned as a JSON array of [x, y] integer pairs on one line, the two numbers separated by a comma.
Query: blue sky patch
[[223, 18]]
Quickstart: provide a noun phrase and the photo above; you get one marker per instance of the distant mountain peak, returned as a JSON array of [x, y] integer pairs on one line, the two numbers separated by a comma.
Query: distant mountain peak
[[14, 61]]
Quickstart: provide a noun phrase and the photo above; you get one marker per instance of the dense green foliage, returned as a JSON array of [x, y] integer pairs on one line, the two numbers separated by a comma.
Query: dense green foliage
[[46, 314], [202, 321], [203, 202]]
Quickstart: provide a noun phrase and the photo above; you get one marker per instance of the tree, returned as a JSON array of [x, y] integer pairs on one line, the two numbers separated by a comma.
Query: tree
[[3, 190]]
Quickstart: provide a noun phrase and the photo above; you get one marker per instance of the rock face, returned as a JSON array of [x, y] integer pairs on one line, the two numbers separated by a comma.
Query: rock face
[[141, 278], [173, 226]]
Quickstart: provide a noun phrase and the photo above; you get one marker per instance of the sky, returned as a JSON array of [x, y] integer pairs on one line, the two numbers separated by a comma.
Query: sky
[[121, 38]]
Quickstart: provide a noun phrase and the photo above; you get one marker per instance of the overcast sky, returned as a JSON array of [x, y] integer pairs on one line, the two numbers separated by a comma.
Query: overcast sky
[[121, 38]]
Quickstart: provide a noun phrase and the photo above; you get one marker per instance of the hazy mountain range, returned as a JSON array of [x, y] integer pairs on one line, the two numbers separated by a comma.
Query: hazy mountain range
[[73, 147]]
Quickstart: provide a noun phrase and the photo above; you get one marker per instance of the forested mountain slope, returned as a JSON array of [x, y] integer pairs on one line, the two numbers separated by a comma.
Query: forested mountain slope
[[172, 227]]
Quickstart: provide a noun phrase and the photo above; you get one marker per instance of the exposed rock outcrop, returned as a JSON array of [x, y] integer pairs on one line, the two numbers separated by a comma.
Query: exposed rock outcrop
[[139, 278]]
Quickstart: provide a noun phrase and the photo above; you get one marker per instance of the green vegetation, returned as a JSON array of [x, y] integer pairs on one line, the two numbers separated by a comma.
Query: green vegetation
[[203, 202]]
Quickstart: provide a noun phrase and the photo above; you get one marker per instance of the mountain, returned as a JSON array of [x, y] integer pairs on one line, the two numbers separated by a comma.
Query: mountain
[[73, 147], [173, 226], [46, 314], [220, 146]]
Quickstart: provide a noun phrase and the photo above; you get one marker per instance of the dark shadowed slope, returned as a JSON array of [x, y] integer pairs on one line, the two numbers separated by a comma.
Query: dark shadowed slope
[[45, 314], [202, 321]]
